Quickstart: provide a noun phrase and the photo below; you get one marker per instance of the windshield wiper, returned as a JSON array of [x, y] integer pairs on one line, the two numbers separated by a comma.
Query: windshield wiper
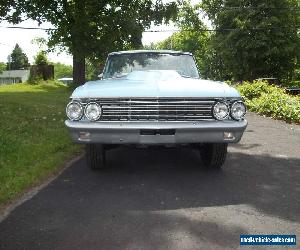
[[119, 76], [186, 76]]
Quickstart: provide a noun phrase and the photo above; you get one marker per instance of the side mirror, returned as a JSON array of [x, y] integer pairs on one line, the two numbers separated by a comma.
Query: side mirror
[[100, 76]]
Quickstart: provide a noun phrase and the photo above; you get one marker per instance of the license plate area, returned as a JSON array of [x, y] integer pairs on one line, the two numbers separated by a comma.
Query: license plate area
[[157, 132]]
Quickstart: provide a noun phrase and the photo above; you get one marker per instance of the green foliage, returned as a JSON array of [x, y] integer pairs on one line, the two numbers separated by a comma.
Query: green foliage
[[62, 70], [296, 78], [34, 142], [90, 29], [41, 42], [263, 42], [256, 89], [294, 84], [19, 60], [35, 79], [38, 74], [93, 69], [191, 38], [270, 100], [190, 41], [2, 67], [41, 58]]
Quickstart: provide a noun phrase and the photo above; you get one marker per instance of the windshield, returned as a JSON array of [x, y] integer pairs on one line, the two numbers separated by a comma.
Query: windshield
[[122, 64]]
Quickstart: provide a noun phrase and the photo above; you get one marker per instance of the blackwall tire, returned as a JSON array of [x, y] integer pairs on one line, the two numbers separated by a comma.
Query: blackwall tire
[[95, 156], [213, 155]]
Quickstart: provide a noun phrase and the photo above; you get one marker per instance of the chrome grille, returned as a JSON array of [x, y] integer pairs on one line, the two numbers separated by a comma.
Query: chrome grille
[[156, 109]]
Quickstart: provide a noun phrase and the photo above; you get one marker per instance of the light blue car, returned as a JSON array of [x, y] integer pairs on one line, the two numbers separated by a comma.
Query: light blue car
[[155, 98]]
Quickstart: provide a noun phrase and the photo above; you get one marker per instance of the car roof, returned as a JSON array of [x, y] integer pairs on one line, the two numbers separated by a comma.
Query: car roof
[[150, 51]]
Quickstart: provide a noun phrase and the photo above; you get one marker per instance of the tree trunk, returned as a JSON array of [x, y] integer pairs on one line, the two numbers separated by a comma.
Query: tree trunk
[[78, 69], [78, 42]]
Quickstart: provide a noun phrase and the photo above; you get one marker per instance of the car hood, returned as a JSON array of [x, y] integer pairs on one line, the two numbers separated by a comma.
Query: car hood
[[159, 83]]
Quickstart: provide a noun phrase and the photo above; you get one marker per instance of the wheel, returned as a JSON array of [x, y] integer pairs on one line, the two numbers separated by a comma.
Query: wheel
[[213, 155], [95, 156]]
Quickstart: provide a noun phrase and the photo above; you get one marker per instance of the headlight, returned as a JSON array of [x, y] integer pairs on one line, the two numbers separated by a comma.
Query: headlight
[[220, 111], [238, 110], [74, 111], [93, 111]]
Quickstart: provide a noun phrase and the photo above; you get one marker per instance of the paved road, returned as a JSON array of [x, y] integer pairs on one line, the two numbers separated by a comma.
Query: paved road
[[165, 199]]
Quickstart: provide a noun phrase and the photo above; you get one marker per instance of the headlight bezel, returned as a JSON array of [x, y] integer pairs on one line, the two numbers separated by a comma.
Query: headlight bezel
[[86, 114], [81, 110], [214, 113], [231, 110]]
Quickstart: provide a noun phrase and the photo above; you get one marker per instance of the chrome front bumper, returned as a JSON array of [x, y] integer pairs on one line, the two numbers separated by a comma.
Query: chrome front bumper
[[155, 132]]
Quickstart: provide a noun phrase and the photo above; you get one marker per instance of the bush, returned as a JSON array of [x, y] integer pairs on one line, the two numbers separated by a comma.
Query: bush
[[270, 100], [35, 79], [41, 58]]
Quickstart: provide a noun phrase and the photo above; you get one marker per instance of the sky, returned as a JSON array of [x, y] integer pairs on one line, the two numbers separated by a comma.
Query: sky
[[9, 37]]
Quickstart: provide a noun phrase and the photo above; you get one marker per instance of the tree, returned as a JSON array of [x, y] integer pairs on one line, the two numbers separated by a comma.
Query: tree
[[2, 67], [190, 41], [93, 69], [9, 6], [41, 58], [92, 28], [19, 60], [192, 37], [254, 38], [62, 70], [41, 42]]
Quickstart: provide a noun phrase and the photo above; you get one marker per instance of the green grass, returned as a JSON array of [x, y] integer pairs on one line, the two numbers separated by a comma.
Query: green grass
[[34, 142]]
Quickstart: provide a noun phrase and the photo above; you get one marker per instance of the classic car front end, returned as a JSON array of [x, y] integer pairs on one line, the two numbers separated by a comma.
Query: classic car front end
[[155, 121], [155, 105]]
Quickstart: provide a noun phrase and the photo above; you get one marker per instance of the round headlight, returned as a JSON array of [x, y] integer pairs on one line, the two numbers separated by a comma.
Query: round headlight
[[238, 110], [93, 111], [220, 111], [74, 111]]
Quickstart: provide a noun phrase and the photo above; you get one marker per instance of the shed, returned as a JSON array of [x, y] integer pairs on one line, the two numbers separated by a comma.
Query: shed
[[14, 76]]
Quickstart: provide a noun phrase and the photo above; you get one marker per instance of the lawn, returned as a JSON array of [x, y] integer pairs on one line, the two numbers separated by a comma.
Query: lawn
[[34, 142]]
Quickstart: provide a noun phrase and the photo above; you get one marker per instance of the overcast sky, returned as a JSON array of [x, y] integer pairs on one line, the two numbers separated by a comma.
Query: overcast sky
[[9, 37]]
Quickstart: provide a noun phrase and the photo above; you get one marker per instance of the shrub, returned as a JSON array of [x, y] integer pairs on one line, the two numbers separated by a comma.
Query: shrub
[[41, 58], [270, 100]]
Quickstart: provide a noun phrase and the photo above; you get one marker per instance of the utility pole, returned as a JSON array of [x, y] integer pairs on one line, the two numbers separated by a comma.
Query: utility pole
[[9, 61]]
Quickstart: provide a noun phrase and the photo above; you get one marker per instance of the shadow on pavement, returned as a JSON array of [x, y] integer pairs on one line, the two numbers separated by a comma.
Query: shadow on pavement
[[128, 198], [141, 179]]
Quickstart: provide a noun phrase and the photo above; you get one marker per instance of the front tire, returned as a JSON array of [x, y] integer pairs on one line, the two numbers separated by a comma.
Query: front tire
[[95, 156], [213, 155]]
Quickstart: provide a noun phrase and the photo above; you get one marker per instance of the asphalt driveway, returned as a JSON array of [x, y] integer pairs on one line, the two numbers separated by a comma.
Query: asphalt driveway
[[165, 199]]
